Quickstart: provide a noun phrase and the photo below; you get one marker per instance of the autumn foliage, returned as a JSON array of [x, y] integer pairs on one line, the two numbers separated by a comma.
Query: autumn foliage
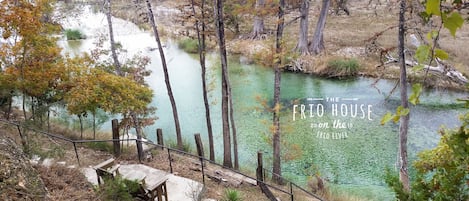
[[33, 67]]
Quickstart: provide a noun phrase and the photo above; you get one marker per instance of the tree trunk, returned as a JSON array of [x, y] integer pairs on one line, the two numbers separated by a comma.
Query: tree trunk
[[33, 110], [139, 136], [166, 76], [24, 106], [233, 128], [258, 27], [48, 120], [94, 125], [10, 103], [202, 47], [276, 167], [404, 121], [225, 92], [81, 126], [317, 45], [111, 38], [23, 89], [302, 45]]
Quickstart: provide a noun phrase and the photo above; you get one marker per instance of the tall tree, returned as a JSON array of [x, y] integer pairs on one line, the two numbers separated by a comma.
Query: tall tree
[[276, 167], [218, 9], [404, 121], [451, 20], [117, 64], [317, 45], [233, 126], [133, 114], [258, 27], [30, 56], [302, 45], [201, 36], [166, 76]]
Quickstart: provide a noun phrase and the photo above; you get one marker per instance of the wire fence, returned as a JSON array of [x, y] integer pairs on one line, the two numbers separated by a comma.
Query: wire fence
[[176, 162]]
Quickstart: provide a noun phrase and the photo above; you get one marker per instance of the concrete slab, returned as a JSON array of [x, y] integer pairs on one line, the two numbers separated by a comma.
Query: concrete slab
[[179, 188]]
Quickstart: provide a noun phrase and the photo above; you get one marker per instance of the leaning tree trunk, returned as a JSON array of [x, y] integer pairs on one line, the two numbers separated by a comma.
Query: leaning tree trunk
[[258, 27], [202, 47], [166, 76], [404, 121], [302, 45], [317, 45], [111, 38], [233, 126], [225, 89], [276, 167]]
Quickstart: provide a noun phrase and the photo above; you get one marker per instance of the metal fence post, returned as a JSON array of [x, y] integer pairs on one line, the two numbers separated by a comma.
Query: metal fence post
[[200, 152], [291, 191], [76, 152], [170, 163]]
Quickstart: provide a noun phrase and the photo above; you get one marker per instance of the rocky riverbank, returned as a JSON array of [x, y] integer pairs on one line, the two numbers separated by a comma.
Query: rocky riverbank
[[343, 43]]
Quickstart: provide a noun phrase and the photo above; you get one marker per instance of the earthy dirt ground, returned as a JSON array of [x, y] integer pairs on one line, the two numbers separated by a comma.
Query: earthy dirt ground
[[66, 182]]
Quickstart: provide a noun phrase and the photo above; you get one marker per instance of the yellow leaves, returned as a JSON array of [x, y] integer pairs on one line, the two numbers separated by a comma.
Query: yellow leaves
[[99, 89], [6, 34], [453, 22], [33, 58], [433, 7], [400, 111]]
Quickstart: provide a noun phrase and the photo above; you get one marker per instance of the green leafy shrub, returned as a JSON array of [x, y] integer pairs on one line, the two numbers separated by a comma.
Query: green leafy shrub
[[342, 68], [442, 172], [189, 45], [119, 189], [231, 195], [74, 34]]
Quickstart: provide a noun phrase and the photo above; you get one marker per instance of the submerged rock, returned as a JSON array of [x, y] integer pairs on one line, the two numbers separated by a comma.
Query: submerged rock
[[18, 179]]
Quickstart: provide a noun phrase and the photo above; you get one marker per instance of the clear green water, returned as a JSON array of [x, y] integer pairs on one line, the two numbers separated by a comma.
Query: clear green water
[[354, 165]]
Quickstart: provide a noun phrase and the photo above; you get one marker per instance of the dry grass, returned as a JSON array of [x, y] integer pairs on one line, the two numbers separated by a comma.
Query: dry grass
[[66, 183], [346, 36]]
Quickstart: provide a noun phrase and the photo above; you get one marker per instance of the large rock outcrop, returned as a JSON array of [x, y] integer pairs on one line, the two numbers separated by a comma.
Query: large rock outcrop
[[18, 179]]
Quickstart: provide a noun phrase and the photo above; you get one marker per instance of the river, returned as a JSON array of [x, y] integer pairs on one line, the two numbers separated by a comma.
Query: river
[[330, 127]]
